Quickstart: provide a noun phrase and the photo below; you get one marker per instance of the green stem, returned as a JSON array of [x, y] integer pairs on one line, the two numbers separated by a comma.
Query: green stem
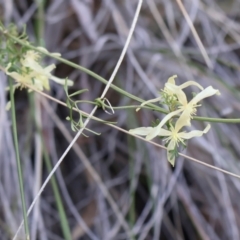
[[132, 190], [61, 211], [20, 178], [63, 218], [205, 119], [39, 23], [39, 27], [104, 81]]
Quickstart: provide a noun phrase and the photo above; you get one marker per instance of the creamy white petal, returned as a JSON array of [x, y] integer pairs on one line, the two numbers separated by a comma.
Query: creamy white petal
[[156, 130], [44, 50], [55, 54], [183, 120], [150, 101], [164, 133], [18, 77], [49, 68], [207, 92], [142, 131], [190, 83], [186, 116], [194, 133], [33, 66], [172, 79], [8, 106], [61, 81]]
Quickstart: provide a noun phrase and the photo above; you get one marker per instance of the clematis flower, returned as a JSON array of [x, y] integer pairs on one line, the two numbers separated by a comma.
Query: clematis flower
[[188, 109], [33, 74], [173, 136], [36, 80], [172, 90]]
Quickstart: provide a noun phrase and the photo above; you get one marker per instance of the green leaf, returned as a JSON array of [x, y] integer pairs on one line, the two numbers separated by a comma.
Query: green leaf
[[174, 153], [66, 87], [73, 127], [92, 131], [78, 92], [68, 103], [155, 123]]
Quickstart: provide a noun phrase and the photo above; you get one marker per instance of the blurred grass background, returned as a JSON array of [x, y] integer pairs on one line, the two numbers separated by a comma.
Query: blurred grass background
[[189, 201]]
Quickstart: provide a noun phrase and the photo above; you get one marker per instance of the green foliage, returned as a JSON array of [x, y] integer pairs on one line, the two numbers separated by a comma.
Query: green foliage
[[73, 105], [173, 153], [170, 100], [154, 123], [101, 104], [10, 50]]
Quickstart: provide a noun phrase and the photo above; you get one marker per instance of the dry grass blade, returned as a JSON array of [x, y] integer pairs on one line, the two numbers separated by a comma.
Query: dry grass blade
[[117, 172], [195, 34]]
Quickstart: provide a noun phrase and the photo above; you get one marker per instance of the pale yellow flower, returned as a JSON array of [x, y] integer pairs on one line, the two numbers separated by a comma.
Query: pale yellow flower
[[44, 50], [33, 74], [30, 56], [30, 78], [171, 89], [185, 109], [188, 109], [173, 137]]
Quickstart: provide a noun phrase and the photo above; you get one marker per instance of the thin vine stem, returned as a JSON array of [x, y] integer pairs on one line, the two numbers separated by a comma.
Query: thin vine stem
[[139, 137], [20, 177], [205, 119], [118, 89]]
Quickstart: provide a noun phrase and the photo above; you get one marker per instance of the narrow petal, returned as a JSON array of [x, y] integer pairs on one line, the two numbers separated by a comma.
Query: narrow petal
[[186, 117], [207, 92], [189, 83], [182, 98], [149, 101], [33, 66], [8, 106], [44, 50], [156, 130], [172, 79], [41, 81], [49, 68], [183, 120], [194, 133], [170, 147], [61, 81], [142, 131], [164, 133], [17, 77]]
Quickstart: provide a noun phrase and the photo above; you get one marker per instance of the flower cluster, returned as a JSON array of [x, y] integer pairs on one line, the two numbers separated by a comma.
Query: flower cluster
[[180, 109], [31, 73]]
